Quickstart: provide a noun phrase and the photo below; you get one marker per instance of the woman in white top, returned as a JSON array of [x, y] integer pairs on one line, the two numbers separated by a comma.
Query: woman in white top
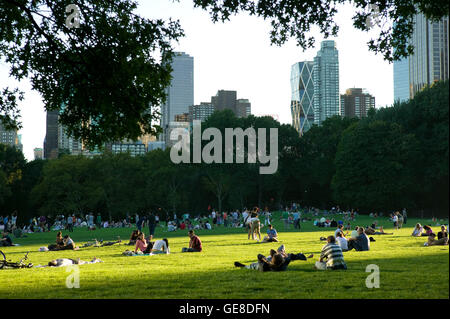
[[161, 247], [418, 230]]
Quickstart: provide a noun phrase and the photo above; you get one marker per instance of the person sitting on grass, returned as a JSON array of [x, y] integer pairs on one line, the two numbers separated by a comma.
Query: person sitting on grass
[[134, 236], [5, 241], [331, 256], [361, 242], [418, 230], [428, 230], [277, 261], [432, 241], [59, 242], [272, 235], [340, 229], [142, 245], [342, 241], [68, 244], [195, 244], [443, 233], [161, 247]]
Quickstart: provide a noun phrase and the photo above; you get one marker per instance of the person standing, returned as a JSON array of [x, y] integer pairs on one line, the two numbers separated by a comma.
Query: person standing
[[400, 220], [395, 220], [296, 217], [285, 217], [151, 225], [70, 223], [405, 216]]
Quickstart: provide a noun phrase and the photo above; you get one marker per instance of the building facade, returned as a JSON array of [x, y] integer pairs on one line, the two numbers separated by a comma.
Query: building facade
[[326, 82], [356, 102], [10, 137], [243, 108], [302, 96], [51, 135], [38, 153], [180, 94], [201, 112], [401, 80]]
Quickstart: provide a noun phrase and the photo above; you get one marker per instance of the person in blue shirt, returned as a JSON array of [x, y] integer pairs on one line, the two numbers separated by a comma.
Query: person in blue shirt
[[272, 235]]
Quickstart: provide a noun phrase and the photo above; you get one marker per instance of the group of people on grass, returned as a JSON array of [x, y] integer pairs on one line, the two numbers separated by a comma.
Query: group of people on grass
[[426, 230]]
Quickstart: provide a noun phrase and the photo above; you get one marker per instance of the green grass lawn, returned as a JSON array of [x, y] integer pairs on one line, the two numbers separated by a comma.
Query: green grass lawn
[[407, 268]]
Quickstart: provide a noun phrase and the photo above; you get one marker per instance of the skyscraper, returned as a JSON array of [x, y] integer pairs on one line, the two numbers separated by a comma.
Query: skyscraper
[[51, 135], [180, 93], [430, 61], [243, 108], [356, 102], [302, 96], [326, 82], [401, 80], [228, 100]]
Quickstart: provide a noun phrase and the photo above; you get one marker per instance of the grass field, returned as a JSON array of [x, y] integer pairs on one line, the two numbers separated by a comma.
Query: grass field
[[407, 268]]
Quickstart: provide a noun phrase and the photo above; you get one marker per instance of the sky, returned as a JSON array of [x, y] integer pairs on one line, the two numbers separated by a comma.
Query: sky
[[237, 55]]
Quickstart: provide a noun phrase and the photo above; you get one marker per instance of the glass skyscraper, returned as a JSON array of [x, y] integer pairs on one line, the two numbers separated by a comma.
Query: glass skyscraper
[[430, 61], [180, 93], [401, 80], [326, 82], [302, 96]]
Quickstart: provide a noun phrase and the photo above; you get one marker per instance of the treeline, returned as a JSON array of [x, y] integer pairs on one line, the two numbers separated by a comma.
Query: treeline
[[395, 158]]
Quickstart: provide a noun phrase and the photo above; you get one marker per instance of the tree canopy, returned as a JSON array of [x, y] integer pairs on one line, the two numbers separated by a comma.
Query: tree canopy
[[107, 76]]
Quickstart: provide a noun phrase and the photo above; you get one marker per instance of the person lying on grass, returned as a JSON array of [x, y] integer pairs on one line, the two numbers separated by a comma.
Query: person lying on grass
[[276, 261], [195, 244], [371, 231], [110, 243], [432, 241], [272, 235], [61, 262], [361, 242], [331, 256]]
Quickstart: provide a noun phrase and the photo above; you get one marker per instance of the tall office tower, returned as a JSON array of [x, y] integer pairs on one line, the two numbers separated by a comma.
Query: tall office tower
[[224, 100], [401, 80], [356, 102], [51, 135], [326, 82], [430, 61], [180, 93], [200, 112], [9, 137], [243, 108], [65, 142], [302, 97]]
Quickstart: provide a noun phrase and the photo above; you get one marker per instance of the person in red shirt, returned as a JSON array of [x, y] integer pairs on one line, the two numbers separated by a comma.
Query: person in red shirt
[[182, 225], [195, 244]]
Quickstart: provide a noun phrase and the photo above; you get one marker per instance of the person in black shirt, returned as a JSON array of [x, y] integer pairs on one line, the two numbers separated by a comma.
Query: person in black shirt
[[443, 233], [151, 225]]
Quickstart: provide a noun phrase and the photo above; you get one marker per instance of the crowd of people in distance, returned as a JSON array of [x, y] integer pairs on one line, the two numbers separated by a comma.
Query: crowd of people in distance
[[344, 239]]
